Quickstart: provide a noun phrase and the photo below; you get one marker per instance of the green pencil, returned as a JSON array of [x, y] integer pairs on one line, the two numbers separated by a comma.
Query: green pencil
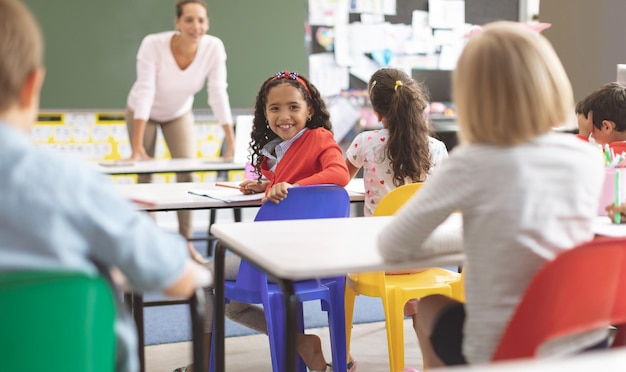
[[617, 192]]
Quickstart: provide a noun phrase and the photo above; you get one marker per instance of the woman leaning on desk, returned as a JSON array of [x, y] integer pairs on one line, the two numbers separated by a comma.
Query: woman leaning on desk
[[172, 66]]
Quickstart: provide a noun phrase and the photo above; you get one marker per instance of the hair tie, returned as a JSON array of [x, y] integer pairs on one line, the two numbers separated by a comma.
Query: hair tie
[[291, 76], [398, 83]]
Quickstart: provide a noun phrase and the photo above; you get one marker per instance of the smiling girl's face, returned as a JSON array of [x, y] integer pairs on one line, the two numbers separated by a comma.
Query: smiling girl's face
[[286, 110]]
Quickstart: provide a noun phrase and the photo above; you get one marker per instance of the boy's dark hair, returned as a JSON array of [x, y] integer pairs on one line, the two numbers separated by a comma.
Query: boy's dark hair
[[607, 103], [261, 133]]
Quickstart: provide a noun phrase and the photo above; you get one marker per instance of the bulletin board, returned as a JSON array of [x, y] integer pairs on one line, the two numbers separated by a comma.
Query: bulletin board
[[426, 38], [476, 12]]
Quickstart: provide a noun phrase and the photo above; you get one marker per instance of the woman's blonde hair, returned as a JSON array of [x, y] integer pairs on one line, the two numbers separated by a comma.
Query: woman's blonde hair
[[509, 86]]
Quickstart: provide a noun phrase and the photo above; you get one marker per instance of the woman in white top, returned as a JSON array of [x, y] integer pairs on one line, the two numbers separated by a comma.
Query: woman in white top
[[172, 67], [526, 193]]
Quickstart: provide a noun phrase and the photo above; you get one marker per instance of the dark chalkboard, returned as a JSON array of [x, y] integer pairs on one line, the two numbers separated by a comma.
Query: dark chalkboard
[[91, 46]]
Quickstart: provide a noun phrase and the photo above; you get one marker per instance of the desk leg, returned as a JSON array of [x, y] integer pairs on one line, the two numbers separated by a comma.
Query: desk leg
[[220, 252], [197, 308], [134, 303], [291, 323], [138, 315], [211, 240]]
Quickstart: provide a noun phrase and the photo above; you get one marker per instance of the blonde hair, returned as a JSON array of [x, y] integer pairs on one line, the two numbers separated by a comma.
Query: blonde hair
[[21, 50], [509, 86]]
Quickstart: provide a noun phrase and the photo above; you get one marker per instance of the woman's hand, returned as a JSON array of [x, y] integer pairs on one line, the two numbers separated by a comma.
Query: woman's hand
[[139, 155], [136, 141], [253, 186], [229, 138], [279, 192], [613, 209]]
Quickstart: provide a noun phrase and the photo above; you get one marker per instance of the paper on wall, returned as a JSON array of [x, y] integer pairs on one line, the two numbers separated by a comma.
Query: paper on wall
[[327, 76], [344, 116], [328, 12], [446, 13]]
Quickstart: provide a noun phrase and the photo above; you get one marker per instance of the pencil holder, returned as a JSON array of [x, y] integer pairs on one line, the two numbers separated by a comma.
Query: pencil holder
[[612, 177]]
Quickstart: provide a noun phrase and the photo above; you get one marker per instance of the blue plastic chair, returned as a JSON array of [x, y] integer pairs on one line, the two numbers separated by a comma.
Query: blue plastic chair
[[252, 286]]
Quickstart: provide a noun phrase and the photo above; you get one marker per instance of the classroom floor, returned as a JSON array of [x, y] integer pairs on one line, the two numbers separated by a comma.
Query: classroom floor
[[251, 353]]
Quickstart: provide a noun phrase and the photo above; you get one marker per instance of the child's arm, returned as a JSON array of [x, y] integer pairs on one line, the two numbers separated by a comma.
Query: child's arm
[[351, 168], [333, 168], [253, 186], [194, 276], [612, 209], [279, 191]]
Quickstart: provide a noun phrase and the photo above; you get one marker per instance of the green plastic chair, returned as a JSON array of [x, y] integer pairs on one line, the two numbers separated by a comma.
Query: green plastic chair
[[56, 321]]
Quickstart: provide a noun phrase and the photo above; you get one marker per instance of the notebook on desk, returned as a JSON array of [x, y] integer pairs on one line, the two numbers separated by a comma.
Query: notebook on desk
[[228, 196]]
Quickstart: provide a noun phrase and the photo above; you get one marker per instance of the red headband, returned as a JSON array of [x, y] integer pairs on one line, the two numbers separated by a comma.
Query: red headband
[[291, 76]]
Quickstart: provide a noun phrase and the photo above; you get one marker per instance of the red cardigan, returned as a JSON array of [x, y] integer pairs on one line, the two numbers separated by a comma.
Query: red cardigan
[[314, 158]]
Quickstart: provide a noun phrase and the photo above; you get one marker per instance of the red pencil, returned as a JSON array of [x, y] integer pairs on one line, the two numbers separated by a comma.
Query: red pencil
[[227, 185], [143, 202]]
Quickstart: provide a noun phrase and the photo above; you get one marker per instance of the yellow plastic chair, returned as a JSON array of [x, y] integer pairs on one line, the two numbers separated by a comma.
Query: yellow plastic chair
[[396, 289]]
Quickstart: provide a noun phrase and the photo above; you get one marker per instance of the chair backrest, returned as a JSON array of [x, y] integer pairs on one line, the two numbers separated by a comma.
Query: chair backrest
[[56, 321], [308, 202], [387, 206], [582, 289], [396, 198], [303, 202]]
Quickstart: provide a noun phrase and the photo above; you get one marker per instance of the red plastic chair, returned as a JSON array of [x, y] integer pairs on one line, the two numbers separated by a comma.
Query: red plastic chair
[[582, 289]]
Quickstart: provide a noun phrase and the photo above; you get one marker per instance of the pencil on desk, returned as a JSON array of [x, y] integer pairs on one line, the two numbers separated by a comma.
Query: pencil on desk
[[143, 202], [227, 185]]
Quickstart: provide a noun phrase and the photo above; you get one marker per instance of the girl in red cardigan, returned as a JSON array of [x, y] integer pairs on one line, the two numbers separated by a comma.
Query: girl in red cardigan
[[292, 145], [292, 141]]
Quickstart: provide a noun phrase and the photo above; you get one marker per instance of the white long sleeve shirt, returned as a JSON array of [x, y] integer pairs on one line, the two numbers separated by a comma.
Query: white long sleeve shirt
[[521, 206], [164, 92]]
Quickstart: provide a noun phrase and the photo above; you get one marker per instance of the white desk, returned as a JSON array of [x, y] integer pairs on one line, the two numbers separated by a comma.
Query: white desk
[[174, 196], [167, 166], [156, 197], [304, 249]]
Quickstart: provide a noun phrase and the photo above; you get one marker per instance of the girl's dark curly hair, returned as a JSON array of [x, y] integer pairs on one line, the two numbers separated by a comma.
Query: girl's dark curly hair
[[262, 134], [402, 101]]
